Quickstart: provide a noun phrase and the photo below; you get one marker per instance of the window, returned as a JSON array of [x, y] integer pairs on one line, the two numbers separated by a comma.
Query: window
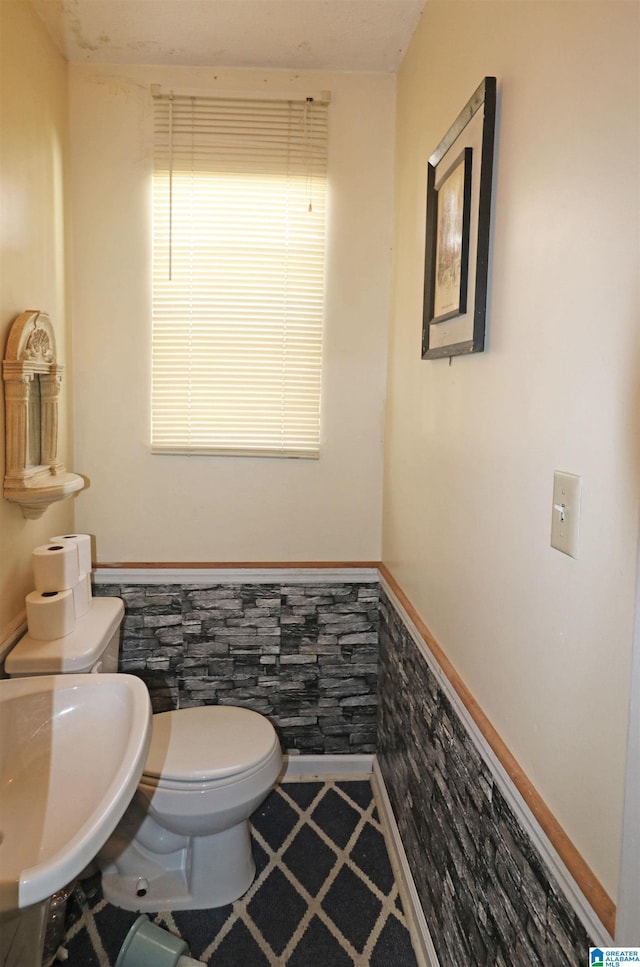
[[239, 197]]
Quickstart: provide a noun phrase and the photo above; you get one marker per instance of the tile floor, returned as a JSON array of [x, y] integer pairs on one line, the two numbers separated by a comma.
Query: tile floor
[[324, 895]]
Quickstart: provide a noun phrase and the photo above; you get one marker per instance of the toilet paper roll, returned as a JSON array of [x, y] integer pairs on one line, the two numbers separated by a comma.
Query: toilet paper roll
[[82, 595], [55, 566], [83, 543], [50, 614]]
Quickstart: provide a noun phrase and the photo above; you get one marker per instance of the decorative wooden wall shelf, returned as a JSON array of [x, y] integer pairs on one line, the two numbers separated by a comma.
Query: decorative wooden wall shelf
[[34, 477]]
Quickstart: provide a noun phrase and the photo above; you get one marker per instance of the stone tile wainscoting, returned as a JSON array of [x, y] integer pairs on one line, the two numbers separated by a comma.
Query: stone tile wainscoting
[[304, 655], [323, 660], [487, 895]]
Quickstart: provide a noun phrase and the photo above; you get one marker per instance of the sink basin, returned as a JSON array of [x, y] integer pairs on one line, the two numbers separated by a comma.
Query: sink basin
[[72, 750]]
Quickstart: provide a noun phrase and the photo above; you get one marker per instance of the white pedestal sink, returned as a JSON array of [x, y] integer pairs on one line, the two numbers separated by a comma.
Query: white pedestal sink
[[72, 750]]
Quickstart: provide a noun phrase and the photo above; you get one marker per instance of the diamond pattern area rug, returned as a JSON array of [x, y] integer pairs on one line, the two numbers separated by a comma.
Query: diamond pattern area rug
[[324, 895]]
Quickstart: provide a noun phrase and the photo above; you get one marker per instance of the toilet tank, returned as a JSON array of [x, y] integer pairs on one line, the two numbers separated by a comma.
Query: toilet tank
[[93, 646]]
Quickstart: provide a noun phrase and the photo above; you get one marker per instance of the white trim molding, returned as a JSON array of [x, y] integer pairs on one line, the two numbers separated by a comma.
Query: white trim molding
[[309, 767], [589, 918], [628, 913], [323, 767], [207, 576], [423, 944]]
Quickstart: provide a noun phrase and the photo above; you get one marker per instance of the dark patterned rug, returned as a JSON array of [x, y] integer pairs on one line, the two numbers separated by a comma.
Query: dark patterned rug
[[324, 895]]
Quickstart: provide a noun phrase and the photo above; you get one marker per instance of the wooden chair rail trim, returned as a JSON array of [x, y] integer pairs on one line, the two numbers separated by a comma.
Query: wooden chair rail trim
[[593, 890]]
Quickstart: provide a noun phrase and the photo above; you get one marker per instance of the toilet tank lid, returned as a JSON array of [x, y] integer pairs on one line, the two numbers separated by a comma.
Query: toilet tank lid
[[76, 652], [208, 742]]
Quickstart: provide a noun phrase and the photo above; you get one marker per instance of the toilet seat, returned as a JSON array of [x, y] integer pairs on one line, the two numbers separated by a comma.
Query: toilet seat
[[207, 744]]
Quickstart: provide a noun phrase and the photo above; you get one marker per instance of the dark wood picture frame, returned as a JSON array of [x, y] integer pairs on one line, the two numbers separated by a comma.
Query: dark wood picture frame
[[459, 182]]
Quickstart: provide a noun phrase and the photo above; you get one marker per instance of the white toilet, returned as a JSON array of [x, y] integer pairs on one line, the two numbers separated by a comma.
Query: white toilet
[[184, 842]]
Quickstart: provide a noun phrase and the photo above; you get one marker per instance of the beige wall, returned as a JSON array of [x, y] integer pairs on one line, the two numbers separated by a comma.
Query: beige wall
[[33, 150], [542, 641], [174, 508]]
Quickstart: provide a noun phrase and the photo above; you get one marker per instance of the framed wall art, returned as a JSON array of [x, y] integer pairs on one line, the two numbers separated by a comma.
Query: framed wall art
[[459, 179]]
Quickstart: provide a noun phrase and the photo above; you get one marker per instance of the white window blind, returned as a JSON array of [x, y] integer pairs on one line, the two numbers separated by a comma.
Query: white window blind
[[239, 197]]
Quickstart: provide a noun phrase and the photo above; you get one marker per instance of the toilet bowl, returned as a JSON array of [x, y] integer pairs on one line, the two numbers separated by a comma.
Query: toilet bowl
[[184, 841]]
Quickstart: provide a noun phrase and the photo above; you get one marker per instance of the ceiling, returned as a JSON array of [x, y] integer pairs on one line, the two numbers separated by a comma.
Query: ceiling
[[342, 35]]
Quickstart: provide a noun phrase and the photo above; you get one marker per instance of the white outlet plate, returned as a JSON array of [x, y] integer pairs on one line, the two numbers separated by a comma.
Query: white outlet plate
[[565, 512]]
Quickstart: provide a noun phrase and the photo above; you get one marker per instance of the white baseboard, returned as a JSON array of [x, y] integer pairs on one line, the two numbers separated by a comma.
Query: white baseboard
[[308, 767], [423, 944]]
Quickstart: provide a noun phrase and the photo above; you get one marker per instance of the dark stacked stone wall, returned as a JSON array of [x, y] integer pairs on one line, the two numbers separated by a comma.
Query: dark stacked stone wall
[[487, 896], [305, 656], [318, 661]]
